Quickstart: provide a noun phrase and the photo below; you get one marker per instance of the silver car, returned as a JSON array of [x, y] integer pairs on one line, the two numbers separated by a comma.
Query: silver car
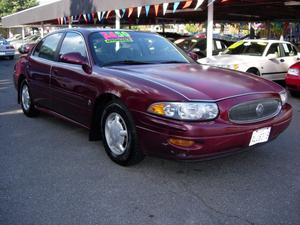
[[6, 50]]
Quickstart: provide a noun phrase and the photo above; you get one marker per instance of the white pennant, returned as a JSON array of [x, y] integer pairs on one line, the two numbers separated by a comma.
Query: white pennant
[[61, 20], [199, 3], [165, 7], [117, 11], [99, 15], [102, 14], [139, 9]]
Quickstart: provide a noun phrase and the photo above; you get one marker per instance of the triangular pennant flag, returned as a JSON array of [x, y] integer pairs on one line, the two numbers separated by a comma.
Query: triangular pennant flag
[[84, 17], [70, 19], [165, 7], [99, 15], [102, 15], [108, 13], [130, 10], [156, 8], [187, 4], [123, 12], [117, 11], [139, 9], [89, 17], [58, 20], [61, 20], [147, 8], [199, 3], [175, 6]]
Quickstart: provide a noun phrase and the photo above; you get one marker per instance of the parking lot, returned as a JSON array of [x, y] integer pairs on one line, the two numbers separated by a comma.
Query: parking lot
[[51, 174]]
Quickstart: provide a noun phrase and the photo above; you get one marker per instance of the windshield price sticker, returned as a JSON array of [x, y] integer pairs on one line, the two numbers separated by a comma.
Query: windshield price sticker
[[118, 36]]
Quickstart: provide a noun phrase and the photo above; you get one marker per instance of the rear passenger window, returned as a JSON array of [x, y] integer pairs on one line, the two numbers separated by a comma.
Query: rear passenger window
[[274, 49], [48, 47]]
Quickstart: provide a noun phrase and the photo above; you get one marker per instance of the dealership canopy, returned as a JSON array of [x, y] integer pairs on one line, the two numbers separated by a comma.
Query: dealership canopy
[[148, 11]]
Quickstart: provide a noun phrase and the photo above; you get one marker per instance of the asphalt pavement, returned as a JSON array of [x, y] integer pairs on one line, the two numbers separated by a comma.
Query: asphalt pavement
[[50, 174]]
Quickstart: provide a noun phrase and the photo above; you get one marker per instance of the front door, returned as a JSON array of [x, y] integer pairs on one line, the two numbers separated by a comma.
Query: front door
[[69, 82]]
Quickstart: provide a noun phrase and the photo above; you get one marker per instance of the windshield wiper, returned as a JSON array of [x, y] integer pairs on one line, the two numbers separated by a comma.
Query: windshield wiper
[[125, 62]]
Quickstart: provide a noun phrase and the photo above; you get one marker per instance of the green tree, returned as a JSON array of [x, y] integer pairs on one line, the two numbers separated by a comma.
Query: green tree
[[12, 6]]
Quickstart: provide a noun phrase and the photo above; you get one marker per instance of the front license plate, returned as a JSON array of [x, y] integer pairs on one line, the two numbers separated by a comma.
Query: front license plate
[[260, 136]]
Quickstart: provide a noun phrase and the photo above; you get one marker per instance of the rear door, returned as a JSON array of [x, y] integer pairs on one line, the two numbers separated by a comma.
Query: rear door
[[274, 69], [69, 82], [39, 69], [290, 55]]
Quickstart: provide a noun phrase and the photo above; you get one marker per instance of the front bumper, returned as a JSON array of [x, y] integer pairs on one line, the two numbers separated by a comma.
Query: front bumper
[[7, 53], [211, 139], [293, 82]]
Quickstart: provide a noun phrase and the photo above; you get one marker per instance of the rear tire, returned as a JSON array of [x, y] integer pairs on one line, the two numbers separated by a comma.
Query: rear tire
[[254, 71], [26, 100], [119, 135], [295, 93]]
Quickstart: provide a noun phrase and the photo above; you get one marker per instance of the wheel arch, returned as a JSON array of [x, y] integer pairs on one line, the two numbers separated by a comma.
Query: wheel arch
[[97, 112], [252, 69], [20, 80]]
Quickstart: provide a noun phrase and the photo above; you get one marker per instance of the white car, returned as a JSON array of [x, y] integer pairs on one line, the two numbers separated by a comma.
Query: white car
[[6, 50], [270, 59]]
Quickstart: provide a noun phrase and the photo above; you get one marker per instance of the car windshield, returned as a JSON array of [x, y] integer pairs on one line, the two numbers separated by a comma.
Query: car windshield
[[252, 48], [122, 47]]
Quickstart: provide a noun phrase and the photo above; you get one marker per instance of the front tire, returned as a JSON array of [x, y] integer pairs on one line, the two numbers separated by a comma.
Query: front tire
[[26, 100], [119, 135]]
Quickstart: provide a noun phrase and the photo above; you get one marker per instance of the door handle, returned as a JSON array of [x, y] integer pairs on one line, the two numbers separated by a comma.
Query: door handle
[[281, 60]]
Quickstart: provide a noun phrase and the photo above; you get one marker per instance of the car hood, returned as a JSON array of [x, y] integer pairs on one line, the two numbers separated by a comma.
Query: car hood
[[221, 60], [199, 82]]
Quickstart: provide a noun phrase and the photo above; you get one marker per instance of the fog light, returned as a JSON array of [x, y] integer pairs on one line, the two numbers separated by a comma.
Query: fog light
[[181, 142]]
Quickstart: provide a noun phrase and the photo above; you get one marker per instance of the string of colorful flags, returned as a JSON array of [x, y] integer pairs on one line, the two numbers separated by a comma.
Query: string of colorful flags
[[99, 16]]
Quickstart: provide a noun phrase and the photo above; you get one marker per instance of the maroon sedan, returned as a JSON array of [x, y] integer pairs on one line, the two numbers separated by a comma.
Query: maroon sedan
[[292, 79], [143, 96]]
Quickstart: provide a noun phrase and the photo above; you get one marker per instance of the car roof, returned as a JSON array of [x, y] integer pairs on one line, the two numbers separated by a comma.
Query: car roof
[[265, 40]]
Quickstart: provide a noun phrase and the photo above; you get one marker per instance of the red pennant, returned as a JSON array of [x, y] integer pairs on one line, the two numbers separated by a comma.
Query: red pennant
[[108, 13], [187, 4], [156, 7], [58, 21], [130, 10]]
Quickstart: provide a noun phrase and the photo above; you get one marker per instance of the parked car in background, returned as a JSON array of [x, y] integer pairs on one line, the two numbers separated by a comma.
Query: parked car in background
[[198, 46], [266, 58], [28, 39], [144, 97], [6, 50], [25, 48], [292, 79], [172, 36]]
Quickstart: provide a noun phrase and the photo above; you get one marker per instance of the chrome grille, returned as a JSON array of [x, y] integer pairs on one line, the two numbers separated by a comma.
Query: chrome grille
[[255, 111]]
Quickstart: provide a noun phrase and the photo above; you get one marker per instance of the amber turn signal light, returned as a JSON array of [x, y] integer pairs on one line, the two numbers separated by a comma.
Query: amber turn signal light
[[181, 142]]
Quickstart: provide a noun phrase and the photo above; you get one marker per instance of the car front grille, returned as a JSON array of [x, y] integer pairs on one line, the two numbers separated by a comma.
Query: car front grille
[[254, 111]]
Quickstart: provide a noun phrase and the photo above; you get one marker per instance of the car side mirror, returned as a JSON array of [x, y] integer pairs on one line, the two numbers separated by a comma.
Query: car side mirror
[[77, 59], [272, 56], [193, 55]]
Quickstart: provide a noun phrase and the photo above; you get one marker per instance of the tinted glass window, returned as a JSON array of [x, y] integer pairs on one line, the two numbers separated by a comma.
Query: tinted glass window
[[274, 49], [112, 47], [49, 46], [247, 48], [73, 43], [289, 50]]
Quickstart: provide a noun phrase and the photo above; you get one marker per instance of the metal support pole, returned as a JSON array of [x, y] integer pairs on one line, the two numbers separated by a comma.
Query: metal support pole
[[42, 29], [210, 28], [118, 23], [23, 34], [10, 34]]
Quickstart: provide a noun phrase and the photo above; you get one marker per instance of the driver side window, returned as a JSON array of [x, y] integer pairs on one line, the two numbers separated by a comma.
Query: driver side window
[[73, 43]]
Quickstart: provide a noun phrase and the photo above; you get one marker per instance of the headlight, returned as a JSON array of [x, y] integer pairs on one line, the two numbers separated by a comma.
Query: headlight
[[185, 110], [293, 71], [283, 97]]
